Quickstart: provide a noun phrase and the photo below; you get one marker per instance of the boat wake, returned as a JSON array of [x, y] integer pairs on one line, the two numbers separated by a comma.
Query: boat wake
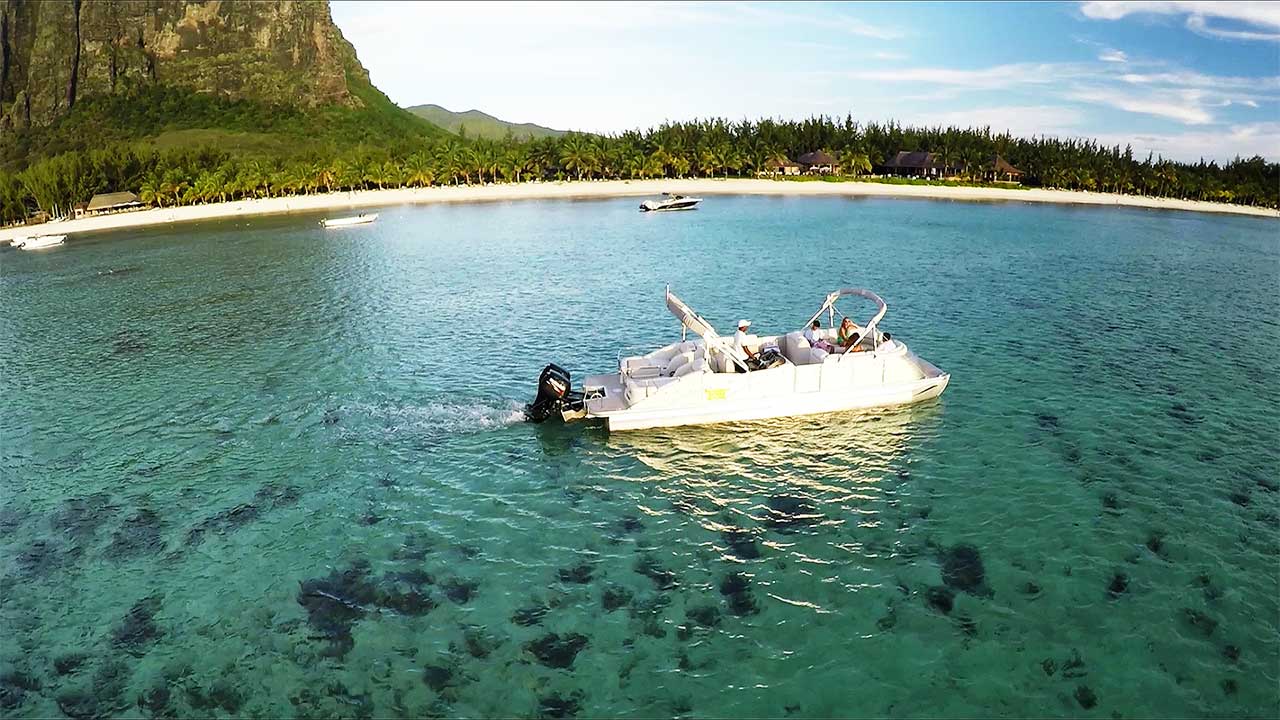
[[443, 418]]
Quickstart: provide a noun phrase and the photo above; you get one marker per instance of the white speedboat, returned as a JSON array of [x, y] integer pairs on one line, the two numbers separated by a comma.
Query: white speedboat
[[670, 201], [695, 382], [42, 242], [360, 219]]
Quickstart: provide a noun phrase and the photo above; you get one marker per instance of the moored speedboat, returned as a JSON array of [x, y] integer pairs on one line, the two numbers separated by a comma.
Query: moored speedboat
[[360, 219], [710, 380], [42, 242], [670, 201]]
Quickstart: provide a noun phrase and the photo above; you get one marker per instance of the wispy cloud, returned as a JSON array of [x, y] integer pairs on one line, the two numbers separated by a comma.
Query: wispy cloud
[[888, 55], [1113, 56], [798, 14], [1241, 140], [1187, 107], [1261, 20]]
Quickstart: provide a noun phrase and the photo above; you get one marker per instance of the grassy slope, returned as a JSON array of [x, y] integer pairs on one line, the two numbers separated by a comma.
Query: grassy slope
[[479, 124], [170, 118]]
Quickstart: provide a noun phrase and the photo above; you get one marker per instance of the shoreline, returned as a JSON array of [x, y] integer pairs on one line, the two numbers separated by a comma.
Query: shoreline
[[362, 199]]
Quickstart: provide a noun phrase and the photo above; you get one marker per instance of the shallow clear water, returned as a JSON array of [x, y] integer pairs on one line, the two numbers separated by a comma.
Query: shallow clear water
[[256, 468]]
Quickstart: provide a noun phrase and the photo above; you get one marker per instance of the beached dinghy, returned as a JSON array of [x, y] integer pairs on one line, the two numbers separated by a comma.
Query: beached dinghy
[[42, 242], [709, 380], [670, 201], [360, 219]]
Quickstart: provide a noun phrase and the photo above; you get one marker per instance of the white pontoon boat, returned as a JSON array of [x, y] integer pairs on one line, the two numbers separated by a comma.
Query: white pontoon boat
[[360, 219], [670, 201], [41, 243], [708, 380]]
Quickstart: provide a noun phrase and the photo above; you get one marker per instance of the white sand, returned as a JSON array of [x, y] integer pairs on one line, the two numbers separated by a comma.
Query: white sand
[[343, 201]]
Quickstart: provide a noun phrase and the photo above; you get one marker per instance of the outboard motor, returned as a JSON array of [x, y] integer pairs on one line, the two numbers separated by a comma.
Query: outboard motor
[[555, 395]]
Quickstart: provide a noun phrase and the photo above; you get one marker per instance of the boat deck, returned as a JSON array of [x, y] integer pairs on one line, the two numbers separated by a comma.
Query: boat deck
[[613, 399]]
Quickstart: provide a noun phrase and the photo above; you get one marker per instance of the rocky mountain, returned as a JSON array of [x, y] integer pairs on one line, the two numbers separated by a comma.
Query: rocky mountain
[[480, 124], [56, 53]]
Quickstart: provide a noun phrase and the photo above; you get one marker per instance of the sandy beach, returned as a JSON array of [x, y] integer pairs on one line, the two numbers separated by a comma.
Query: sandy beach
[[357, 200]]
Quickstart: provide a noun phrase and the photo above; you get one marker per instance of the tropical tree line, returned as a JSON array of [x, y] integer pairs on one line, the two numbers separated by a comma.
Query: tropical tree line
[[704, 148]]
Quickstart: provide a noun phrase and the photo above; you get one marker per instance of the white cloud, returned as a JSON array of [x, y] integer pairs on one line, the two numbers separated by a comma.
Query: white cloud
[[1019, 120], [1243, 140], [1262, 18], [1186, 106], [1113, 56], [888, 55]]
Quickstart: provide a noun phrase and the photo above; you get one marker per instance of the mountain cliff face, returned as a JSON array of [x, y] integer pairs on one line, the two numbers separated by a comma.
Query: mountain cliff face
[[54, 53]]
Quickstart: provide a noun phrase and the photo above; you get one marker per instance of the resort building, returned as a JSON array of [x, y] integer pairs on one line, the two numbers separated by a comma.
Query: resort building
[[780, 166], [112, 202], [918, 164], [818, 163], [1001, 171]]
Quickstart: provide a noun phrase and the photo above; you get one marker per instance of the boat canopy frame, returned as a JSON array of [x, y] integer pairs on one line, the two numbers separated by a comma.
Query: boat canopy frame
[[691, 320], [829, 307]]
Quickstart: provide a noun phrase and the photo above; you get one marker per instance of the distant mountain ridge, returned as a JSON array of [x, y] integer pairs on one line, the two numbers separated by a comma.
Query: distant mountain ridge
[[480, 124]]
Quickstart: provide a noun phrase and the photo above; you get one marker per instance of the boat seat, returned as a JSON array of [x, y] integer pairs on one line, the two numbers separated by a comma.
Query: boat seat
[[698, 365], [798, 350], [677, 362]]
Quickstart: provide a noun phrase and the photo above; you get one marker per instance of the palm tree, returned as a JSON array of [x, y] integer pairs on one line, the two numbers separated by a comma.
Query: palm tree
[[150, 192], [575, 154]]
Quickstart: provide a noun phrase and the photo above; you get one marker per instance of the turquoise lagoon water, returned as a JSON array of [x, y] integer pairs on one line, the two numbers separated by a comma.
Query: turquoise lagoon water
[[253, 468]]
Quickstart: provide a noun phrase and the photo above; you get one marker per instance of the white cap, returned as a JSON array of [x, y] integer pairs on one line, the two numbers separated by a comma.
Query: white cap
[[744, 323]]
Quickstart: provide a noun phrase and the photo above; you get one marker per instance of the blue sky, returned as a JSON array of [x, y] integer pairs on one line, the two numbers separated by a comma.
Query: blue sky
[[1182, 79]]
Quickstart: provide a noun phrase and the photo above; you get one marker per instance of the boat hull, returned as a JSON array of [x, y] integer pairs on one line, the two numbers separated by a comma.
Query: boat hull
[[796, 405], [43, 243]]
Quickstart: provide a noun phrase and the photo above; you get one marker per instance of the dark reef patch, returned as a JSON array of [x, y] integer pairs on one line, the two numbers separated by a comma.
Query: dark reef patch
[[614, 597], [555, 650], [1240, 496], [557, 706], [1230, 686], [14, 687], [579, 574], [940, 598], [155, 701], [630, 524], [224, 522], [1110, 501], [138, 628], [221, 694], [140, 533], [69, 663], [1200, 621], [438, 677], [43, 557], [741, 543], [1047, 422], [478, 642], [526, 617], [1085, 697], [649, 567], [80, 518], [704, 615], [128, 341], [1118, 586], [1073, 667], [1155, 543], [1231, 653], [788, 514], [1182, 414], [459, 590], [334, 603], [78, 704], [736, 587], [962, 570]]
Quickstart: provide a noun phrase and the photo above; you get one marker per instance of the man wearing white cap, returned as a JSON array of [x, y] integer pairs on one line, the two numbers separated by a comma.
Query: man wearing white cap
[[740, 341]]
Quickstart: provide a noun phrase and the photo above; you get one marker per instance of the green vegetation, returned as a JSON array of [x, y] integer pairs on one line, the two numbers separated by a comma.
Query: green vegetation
[[381, 146], [474, 123]]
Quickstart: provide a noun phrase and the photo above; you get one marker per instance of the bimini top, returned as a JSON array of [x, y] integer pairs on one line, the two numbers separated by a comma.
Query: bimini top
[[881, 307], [689, 318]]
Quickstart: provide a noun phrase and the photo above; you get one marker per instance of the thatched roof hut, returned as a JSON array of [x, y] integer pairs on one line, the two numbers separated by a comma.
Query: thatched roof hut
[[108, 202], [815, 158]]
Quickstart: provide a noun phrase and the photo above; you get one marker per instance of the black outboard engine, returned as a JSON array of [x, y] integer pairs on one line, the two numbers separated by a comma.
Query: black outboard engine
[[555, 395]]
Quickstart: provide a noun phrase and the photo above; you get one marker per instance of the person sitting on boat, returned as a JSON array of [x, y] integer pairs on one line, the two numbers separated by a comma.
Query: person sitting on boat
[[811, 335], [740, 348], [849, 336]]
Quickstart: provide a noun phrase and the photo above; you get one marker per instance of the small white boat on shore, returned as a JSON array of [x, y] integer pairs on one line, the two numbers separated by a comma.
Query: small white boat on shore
[[710, 380], [670, 201], [361, 219], [40, 243]]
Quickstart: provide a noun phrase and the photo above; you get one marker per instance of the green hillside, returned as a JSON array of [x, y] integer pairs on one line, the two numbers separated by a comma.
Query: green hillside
[[480, 125]]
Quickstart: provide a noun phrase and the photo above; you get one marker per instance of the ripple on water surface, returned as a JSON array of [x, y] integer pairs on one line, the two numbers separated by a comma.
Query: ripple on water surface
[[256, 469]]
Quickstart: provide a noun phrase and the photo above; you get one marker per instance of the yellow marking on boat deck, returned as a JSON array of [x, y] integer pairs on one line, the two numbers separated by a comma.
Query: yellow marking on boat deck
[[717, 394]]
